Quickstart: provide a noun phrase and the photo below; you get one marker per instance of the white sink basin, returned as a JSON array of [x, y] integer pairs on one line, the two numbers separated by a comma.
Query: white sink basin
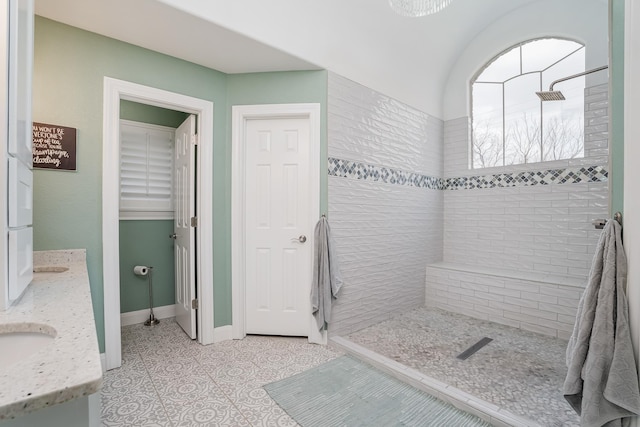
[[23, 342]]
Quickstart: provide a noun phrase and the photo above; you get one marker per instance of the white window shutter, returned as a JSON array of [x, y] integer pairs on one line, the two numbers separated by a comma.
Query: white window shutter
[[146, 170]]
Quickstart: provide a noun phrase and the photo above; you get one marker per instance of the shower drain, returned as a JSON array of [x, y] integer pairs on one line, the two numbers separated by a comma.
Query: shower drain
[[471, 350]]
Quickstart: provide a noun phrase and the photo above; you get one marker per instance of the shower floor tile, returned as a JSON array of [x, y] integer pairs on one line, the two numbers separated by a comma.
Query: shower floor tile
[[519, 371]]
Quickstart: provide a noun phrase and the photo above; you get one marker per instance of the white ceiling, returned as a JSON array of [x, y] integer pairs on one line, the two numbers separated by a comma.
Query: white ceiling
[[406, 58]]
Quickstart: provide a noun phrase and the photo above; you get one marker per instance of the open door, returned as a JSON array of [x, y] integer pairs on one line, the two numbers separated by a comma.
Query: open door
[[185, 223]]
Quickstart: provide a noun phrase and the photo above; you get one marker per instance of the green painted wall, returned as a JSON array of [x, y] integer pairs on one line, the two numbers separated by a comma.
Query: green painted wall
[[69, 67], [151, 114], [146, 243], [616, 169]]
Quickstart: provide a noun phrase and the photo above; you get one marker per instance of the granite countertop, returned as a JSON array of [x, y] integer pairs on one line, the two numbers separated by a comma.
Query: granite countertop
[[58, 303]]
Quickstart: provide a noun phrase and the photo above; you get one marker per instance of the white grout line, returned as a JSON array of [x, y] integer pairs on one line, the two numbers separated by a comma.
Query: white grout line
[[460, 399]]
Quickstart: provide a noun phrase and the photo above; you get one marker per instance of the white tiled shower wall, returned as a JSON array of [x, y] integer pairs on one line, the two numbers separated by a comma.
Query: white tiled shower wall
[[386, 233], [533, 302], [540, 229], [514, 255]]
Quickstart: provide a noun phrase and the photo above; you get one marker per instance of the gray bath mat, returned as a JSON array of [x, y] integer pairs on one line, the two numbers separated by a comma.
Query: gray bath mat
[[346, 392]]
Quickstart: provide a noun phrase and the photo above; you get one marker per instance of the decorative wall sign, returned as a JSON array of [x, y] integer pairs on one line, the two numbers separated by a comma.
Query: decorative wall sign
[[54, 147]]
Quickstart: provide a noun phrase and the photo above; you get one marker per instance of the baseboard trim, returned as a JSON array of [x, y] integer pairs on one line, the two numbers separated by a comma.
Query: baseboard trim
[[140, 316], [222, 333]]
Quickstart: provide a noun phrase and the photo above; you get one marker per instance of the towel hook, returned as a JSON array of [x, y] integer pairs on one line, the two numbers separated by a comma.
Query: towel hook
[[599, 223], [618, 217]]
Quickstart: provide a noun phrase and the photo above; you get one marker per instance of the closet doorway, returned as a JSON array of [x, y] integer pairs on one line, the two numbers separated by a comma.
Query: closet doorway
[[116, 91], [157, 202]]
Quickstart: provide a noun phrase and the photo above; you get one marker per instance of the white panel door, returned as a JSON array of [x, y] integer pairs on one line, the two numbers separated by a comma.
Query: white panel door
[[184, 247], [277, 227]]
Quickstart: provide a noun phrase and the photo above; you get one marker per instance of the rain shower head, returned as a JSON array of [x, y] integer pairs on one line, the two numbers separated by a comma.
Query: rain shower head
[[556, 95], [551, 95]]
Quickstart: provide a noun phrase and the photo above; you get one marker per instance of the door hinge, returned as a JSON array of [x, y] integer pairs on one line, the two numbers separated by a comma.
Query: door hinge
[[194, 139], [194, 221], [194, 304]]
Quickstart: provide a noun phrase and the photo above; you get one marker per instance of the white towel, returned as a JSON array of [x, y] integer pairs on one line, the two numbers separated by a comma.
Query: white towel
[[326, 274], [602, 380]]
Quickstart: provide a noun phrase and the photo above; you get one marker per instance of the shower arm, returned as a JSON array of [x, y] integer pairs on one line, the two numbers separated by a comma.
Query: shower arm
[[604, 67]]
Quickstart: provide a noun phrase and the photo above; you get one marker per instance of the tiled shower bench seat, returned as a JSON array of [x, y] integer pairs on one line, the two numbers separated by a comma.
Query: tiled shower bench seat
[[542, 303]]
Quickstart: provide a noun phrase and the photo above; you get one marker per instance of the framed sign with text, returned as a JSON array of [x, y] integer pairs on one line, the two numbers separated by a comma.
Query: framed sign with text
[[54, 147]]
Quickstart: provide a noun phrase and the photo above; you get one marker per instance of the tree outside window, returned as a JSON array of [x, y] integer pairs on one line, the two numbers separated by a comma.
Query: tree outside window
[[510, 124]]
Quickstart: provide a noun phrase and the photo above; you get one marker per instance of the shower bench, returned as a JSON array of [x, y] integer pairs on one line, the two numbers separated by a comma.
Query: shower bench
[[534, 301]]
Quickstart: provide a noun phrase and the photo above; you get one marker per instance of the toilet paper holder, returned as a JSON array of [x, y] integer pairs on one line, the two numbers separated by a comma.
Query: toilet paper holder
[[143, 270]]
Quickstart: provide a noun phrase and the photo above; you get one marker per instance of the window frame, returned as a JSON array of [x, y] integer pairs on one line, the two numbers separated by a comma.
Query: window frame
[[479, 72]]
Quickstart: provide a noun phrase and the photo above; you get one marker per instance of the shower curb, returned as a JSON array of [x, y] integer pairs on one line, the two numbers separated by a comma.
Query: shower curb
[[489, 412]]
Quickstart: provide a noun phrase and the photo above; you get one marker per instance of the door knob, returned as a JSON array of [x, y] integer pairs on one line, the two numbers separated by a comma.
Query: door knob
[[300, 239], [172, 236]]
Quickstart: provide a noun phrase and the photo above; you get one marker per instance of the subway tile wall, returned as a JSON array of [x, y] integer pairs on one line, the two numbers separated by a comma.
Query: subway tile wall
[[366, 126], [543, 229], [457, 134], [535, 302], [596, 117], [386, 229], [400, 202], [539, 228]]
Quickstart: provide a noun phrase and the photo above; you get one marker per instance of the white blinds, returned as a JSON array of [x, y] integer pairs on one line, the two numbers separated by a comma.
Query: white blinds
[[146, 167]]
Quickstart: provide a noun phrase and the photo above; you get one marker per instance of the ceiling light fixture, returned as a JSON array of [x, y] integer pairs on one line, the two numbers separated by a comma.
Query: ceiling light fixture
[[417, 8]]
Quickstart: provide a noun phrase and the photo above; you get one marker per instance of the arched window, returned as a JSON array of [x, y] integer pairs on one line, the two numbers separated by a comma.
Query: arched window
[[511, 125]]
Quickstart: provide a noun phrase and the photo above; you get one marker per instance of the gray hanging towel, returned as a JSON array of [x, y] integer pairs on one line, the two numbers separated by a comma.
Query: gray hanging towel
[[602, 380], [326, 274]]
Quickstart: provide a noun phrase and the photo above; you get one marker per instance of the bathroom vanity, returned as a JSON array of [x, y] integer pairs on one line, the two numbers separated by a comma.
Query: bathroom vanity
[[50, 370]]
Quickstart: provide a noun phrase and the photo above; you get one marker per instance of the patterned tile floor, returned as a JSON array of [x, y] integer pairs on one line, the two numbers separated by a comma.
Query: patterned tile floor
[[519, 371], [166, 379]]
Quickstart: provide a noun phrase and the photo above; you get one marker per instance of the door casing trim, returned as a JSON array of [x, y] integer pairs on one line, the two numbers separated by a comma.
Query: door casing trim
[[115, 90], [240, 115]]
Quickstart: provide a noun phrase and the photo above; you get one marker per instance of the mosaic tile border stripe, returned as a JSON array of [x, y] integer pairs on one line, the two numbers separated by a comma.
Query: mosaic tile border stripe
[[529, 178], [367, 172], [357, 170]]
